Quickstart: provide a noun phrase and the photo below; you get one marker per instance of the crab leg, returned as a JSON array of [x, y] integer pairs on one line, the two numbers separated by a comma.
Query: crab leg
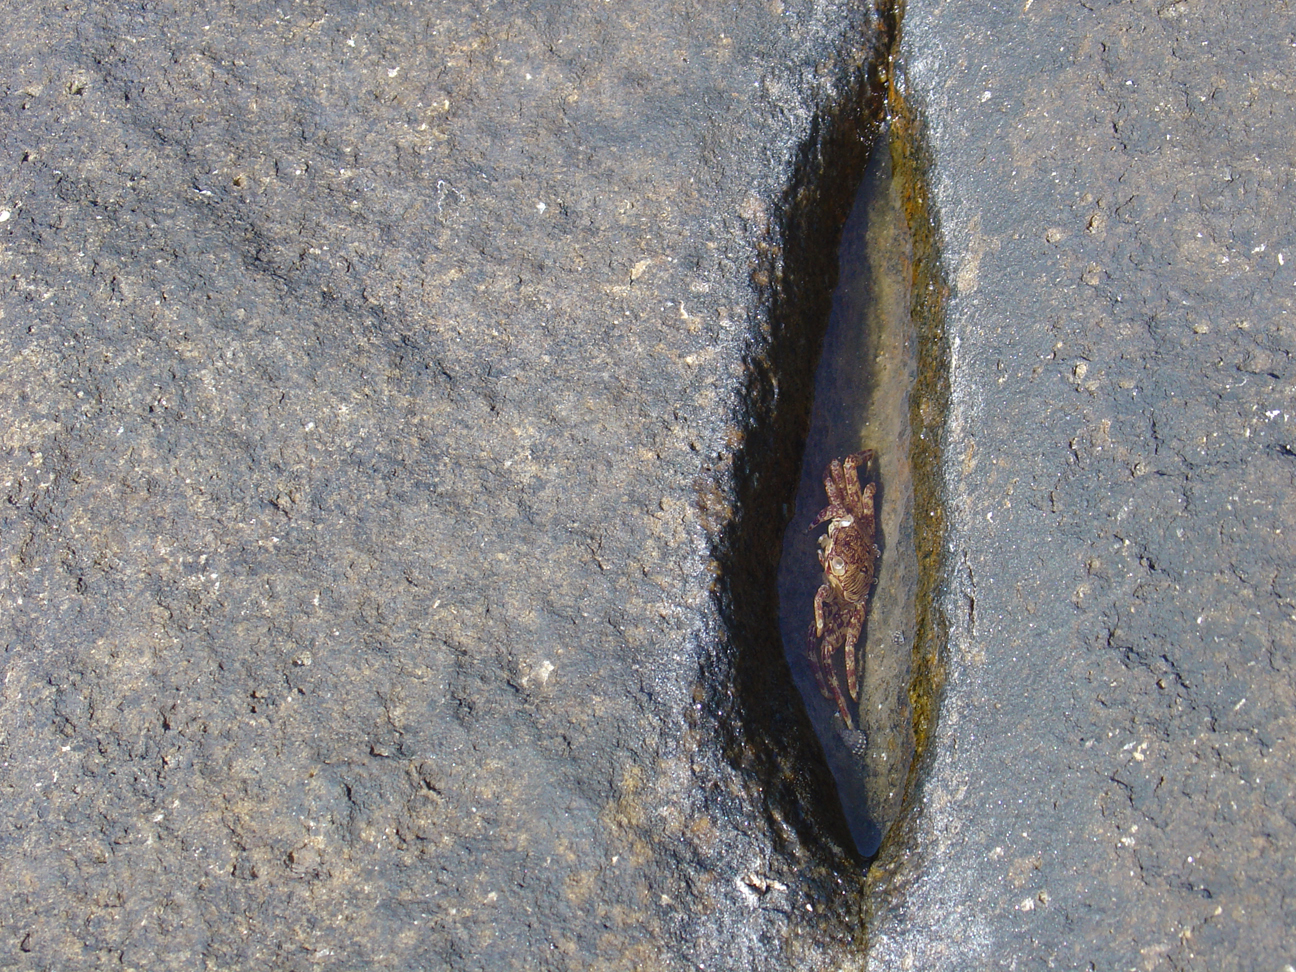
[[835, 507], [852, 654], [833, 479], [850, 478], [829, 512], [826, 661], [812, 655], [819, 651], [820, 595]]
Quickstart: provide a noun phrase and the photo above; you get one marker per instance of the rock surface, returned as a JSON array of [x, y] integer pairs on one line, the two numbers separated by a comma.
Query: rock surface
[[373, 381], [391, 464], [1111, 783]]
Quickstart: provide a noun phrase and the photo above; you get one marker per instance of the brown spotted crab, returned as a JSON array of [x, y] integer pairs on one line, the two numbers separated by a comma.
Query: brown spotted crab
[[847, 554]]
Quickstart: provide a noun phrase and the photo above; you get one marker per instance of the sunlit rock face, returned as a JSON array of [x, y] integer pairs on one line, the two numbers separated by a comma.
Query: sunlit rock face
[[1110, 780], [376, 386]]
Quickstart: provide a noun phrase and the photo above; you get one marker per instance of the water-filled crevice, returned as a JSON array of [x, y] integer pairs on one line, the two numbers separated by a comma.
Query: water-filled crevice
[[860, 406], [770, 736], [772, 732]]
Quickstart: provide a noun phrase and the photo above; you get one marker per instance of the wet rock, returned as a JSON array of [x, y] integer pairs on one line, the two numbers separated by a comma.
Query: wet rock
[[375, 390], [1110, 782]]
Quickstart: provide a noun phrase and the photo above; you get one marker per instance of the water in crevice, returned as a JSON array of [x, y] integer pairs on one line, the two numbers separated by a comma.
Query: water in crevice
[[861, 401]]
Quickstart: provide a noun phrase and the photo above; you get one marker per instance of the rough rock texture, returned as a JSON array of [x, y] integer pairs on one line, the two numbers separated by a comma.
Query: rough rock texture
[[373, 379], [1111, 783], [398, 406]]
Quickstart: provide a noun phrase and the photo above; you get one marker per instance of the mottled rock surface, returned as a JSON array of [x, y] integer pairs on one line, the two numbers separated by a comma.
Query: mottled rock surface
[[373, 381], [399, 404], [1111, 783]]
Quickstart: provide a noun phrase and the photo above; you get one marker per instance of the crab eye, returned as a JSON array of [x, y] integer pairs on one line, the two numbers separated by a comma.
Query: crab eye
[[838, 565], [845, 521]]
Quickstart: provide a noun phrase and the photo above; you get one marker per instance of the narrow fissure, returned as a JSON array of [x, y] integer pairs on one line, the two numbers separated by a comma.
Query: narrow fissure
[[858, 244], [860, 403], [841, 797]]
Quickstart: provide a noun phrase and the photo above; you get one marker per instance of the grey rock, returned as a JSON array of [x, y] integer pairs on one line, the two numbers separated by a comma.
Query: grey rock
[[1111, 781], [374, 377], [399, 407]]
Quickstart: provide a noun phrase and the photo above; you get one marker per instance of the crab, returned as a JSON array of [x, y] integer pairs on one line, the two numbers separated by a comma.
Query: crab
[[847, 554]]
